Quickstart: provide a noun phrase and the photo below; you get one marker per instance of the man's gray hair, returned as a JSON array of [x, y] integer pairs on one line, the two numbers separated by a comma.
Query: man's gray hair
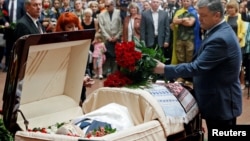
[[212, 5], [26, 2], [111, 2]]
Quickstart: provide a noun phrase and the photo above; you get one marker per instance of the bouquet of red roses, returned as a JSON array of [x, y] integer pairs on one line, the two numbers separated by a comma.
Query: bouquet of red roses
[[136, 63]]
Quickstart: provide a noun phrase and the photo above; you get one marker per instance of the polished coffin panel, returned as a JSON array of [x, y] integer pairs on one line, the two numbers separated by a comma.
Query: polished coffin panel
[[45, 67]]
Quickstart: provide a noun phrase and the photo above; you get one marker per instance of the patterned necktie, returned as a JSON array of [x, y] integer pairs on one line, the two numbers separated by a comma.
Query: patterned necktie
[[39, 27]]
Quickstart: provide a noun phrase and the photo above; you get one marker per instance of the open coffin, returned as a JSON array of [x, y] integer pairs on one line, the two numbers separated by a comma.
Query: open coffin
[[150, 122], [45, 79], [147, 116]]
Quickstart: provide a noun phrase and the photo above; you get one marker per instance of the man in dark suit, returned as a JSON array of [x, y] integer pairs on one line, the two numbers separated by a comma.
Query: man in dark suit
[[215, 69], [15, 13], [29, 24], [18, 9], [155, 27]]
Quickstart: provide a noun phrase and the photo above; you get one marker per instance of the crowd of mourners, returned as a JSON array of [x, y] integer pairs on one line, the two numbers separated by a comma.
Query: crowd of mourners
[[207, 40], [172, 25]]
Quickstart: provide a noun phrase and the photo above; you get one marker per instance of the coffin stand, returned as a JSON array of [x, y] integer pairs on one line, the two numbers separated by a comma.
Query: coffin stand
[[43, 87]]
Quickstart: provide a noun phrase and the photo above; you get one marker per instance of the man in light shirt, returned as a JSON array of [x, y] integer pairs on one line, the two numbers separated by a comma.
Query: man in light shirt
[[155, 27]]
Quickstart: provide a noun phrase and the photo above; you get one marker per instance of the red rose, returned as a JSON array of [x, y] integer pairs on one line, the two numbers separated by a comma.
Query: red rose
[[117, 79], [5, 13], [127, 55], [45, 5]]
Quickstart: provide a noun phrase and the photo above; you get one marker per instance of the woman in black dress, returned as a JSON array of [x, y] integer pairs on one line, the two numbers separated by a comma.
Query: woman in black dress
[[89, 22]]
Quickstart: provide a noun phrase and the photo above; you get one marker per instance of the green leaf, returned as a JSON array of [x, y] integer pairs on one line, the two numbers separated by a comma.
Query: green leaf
[[5, 135]]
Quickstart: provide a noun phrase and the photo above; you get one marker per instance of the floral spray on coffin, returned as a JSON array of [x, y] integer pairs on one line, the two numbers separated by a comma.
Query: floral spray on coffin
[[136, 63]]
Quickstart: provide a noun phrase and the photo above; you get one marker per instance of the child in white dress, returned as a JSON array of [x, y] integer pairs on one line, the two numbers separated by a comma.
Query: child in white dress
[[98, 55]]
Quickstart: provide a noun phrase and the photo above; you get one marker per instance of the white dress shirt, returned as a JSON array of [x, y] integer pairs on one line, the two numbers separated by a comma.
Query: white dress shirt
[[14, 20]]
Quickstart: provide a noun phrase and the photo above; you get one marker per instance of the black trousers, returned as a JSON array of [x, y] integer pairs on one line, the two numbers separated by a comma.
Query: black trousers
[[213, 124], [167, 52], [155, 43], [83, 94]]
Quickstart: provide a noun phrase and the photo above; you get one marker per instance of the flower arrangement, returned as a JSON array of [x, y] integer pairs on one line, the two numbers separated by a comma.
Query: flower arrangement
[[101, 131], [136, 63], [50, 130]]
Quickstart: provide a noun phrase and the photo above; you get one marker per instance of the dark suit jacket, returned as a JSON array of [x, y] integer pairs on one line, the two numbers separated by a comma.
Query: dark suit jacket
[[215, 73], [26, 26], [20, 11], [147, 28]]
